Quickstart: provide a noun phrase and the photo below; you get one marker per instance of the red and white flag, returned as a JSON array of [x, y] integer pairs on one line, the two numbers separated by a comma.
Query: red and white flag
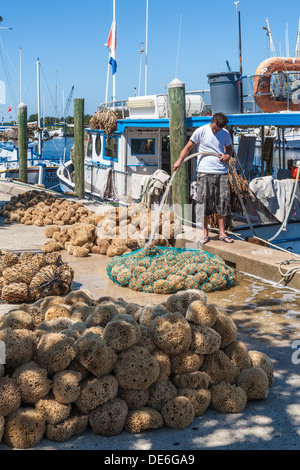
[[112, 44], [9, 109]]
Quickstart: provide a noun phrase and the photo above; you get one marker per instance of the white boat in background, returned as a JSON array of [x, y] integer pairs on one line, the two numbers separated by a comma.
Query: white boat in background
[[56, 132], [40, 170]]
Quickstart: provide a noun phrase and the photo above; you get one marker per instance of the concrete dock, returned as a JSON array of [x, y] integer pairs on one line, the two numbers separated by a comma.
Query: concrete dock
[[267, 315]]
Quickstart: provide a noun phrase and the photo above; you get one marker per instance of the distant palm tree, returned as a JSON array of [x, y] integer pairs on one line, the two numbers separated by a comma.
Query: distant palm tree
[[1, 19]]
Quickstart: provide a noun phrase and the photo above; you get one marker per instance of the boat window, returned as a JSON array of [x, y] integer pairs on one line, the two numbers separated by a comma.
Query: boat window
[[111, 148], [98, 145], [142, 146], [89, 147]]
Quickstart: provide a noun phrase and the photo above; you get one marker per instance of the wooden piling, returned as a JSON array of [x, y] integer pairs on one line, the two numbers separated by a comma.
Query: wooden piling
[[79, 147], [22, 141], [178, 139]]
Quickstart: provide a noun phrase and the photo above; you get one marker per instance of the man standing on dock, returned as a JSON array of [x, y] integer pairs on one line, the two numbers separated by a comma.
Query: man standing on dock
[[213, 192]]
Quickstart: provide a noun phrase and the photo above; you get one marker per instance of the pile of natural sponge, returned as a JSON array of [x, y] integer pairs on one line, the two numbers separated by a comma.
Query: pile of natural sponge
[[31, 276], [118, 231], [73, 362], [41, 208]]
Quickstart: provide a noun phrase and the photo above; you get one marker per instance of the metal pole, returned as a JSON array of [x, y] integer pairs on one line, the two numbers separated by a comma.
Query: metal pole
[[146, 54], [79, 147], [177, 113], [241, 66], [22, 138], [39, 106]]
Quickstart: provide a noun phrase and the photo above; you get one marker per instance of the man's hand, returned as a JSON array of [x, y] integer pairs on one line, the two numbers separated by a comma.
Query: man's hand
[[177, 165], [224, 157]]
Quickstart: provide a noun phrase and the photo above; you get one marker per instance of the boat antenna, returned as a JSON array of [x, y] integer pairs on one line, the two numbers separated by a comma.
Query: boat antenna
[[178, 45], [298, 40], [141, 59], [287, 48], [238, 19]]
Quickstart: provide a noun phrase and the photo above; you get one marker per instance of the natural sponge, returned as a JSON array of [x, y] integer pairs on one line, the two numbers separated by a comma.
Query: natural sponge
[[32, 381], [136, 368], [143, 419], [122, 332], [180, 301], [95, 392], [66, 386], [24, 428], [219, 368], [64, 430], [201, 314], [254, 382], [205, 340], [52, 411], [171, 333], [225, 326], [20, 346], [10, 398], [260, 359], [55, 352], [160, 393], [178, 413], [200, 398], [109, 419], [228, 398], [95, 354]]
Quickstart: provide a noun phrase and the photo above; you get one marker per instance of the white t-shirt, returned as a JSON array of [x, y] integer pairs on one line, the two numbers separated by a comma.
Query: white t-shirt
[[207, 141]]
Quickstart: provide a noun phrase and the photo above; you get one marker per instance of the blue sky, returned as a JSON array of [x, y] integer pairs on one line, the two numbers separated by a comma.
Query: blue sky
[[68, 37]]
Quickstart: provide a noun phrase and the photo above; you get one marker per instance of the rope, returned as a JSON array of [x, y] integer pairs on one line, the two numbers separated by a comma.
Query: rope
[[290, 272]]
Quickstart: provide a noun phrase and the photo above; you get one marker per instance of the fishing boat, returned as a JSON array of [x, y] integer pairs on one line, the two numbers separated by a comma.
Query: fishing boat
[[40, 170], [129, 160]]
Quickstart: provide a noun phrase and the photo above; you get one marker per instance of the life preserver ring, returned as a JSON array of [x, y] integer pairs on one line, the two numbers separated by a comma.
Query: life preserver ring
[[262, 81]]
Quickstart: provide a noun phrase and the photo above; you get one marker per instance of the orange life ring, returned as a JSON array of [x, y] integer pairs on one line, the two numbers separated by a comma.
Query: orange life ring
[[262, 81]]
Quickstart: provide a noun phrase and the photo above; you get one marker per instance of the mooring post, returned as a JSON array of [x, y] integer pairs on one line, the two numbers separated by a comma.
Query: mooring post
[[22, 139], [79, 146], [177, 115]]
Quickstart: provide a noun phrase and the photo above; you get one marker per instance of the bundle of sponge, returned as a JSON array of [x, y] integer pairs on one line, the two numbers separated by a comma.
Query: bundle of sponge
[[32, 276], [74, 362]]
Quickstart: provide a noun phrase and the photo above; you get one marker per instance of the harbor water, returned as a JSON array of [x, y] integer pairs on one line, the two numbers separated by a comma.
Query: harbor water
[[58, 149]]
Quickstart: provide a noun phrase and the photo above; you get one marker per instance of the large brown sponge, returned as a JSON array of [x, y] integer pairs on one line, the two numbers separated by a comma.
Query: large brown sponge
[[178, 413], [171, 333], [228, 398], [109, 419], [136, 368], [33, 382], [24, 428], [95, 354], [143, 419]]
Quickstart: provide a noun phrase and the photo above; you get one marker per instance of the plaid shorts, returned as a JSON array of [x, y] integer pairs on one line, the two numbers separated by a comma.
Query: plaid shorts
[[213, 193]]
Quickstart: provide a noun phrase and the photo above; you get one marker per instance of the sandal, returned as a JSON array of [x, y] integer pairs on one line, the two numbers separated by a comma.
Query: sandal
[[226, 239], [204, 240]]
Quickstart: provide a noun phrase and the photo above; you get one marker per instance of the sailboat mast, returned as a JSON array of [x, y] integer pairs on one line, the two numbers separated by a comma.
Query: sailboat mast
[[146, 52], [298, 40], [114, 52], [272, 47], [39, 107]]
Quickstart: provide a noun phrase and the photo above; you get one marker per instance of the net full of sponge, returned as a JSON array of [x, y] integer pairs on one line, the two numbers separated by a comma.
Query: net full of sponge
[[121, 367]]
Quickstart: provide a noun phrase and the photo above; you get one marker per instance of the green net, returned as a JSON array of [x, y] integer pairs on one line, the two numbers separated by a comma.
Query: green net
[[166, 270]]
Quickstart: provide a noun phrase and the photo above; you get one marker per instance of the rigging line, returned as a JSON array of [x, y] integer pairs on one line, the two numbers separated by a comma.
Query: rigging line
[[47, 86], [7, 76]]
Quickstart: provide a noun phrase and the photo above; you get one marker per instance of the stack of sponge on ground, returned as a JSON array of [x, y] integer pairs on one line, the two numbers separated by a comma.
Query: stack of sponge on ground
[[74, 363], [80, 231]]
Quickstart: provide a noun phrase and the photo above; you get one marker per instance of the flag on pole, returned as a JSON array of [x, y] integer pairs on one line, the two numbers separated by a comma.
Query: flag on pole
[[9, 109], [112, 44]]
